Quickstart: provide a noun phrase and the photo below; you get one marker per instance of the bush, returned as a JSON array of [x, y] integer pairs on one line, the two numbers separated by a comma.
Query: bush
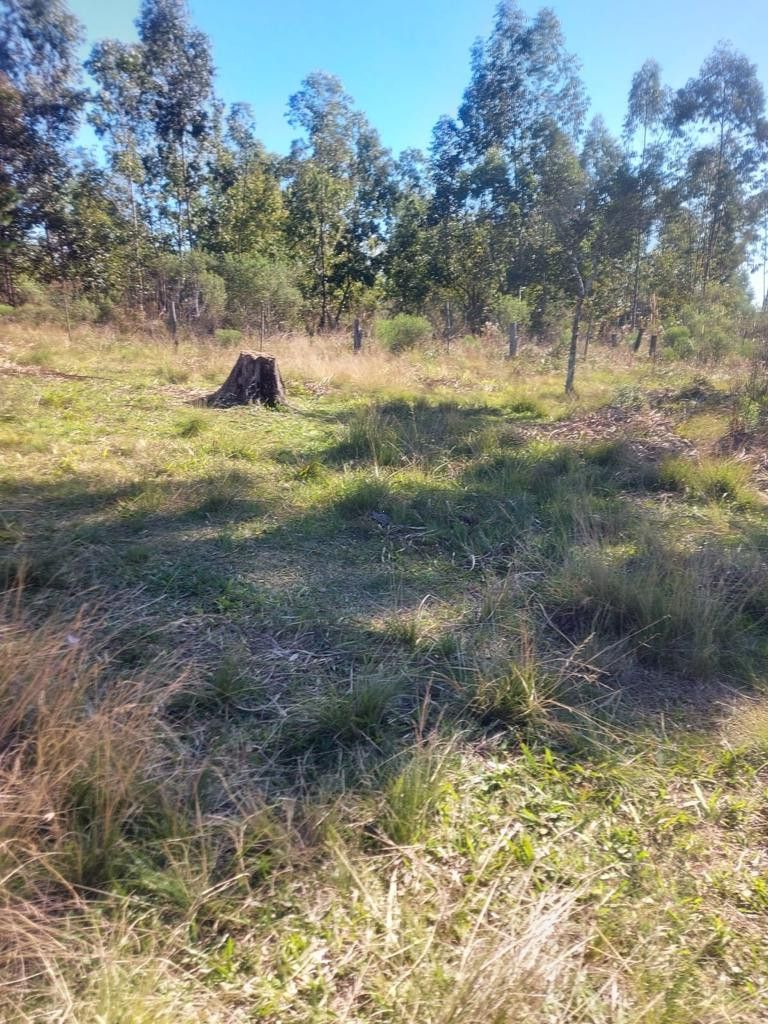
[[678, 340], [508, 310], [226, 336], [403, 331], [53, 304]]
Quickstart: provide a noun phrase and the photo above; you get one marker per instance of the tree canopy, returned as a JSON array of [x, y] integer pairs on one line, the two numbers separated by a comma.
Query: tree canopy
[[517, 195]]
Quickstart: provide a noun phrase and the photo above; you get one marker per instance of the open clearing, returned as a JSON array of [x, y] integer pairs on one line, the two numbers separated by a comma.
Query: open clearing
[[431, 698]]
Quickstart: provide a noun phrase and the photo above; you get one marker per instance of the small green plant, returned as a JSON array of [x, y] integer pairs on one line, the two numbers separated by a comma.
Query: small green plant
[[192, 425], [403, 332], [521, 694], [630, 396], [363, 495], [170, 374]]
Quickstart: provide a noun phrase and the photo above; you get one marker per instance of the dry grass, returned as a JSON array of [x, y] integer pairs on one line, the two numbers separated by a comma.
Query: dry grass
[[342, 736]]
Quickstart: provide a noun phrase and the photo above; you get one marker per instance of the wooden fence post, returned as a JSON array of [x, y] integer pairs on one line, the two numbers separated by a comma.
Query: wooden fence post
[[512, 341], [357, 336]]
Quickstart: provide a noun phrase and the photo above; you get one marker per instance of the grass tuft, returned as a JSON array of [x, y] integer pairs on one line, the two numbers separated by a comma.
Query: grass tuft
[[719, 480]]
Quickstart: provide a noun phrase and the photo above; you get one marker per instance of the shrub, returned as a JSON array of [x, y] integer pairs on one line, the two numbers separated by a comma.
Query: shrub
[[226, 336], [508, 310], [678, 341], [403, 332]]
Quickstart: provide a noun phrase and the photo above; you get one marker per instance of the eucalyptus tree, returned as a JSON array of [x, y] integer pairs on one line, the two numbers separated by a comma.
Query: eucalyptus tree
[[95, 236], [524, 85], [340, 195], [118, 115], [647, 109], [583, 203], [41, 103], [408, 265], [176, 90], [245, 213], [720, 116]]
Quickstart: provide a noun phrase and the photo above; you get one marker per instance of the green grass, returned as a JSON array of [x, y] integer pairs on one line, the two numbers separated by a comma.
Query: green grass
[[428, 704], [710, 480]]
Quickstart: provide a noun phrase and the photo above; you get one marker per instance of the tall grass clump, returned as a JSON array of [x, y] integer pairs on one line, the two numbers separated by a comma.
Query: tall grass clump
[[80, 759], [332, 718], [695, 613], [413, 796], [371, 435], [86, 779], [722, 480]]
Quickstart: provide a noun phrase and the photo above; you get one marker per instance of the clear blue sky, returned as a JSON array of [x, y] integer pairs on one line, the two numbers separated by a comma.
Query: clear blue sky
[[406, 62]]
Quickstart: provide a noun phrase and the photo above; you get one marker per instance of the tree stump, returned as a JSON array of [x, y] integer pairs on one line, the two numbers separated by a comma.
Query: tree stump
[[251, 379]]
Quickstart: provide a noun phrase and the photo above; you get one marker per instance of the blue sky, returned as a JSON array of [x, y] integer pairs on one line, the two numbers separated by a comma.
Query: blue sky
[[406, 62]]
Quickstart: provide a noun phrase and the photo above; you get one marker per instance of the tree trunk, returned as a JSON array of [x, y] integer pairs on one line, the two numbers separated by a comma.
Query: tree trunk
[[571, 372], [251, 379], [357, 336], [173, 323], [638, 340]]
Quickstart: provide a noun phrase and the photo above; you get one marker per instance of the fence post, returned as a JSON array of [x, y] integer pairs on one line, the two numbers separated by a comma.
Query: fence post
[[357, 336], [512, 340]]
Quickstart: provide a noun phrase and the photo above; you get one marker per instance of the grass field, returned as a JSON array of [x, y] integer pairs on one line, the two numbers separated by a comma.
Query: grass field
[[433, 697]]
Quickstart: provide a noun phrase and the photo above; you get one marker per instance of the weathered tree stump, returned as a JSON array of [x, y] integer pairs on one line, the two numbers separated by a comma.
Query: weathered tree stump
[[251, 379]]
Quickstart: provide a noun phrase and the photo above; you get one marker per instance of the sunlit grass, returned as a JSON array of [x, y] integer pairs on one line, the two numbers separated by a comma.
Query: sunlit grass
[[415, 701]]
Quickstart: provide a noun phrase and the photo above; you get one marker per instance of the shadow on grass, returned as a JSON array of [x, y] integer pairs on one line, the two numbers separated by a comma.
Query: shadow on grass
[[393, 586]]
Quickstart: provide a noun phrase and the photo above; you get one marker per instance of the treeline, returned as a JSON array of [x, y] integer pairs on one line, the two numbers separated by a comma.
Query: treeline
[[520, 211]]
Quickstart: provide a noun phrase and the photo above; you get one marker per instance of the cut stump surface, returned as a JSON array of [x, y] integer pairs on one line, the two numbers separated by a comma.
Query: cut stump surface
[[252, 379]]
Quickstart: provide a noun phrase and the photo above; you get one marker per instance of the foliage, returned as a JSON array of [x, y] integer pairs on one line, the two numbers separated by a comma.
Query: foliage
[[516, 196], [510, 310], [260, 293], [403, 331]]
